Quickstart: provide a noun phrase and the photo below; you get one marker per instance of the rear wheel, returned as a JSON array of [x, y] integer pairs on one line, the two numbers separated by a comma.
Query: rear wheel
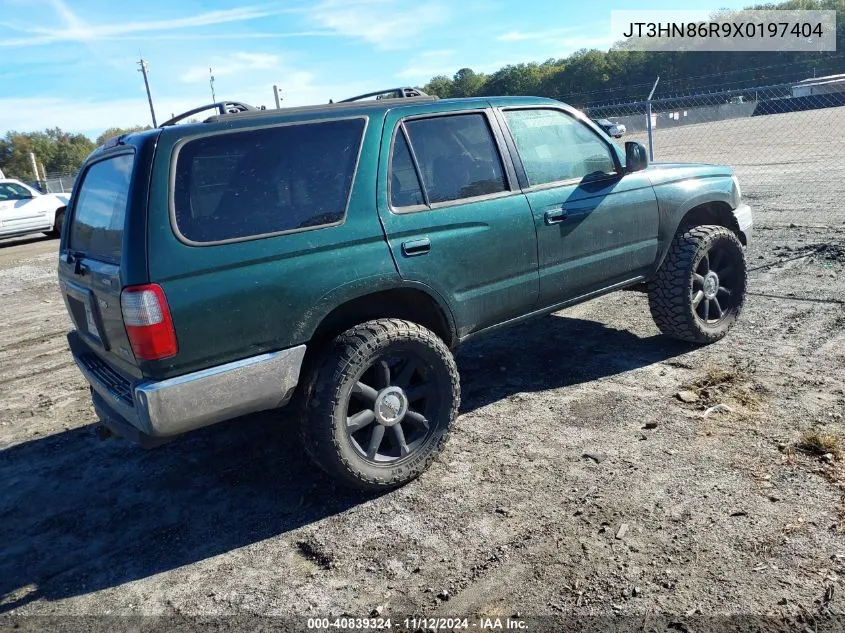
[[699, 290], [58, 222], [380, 404]]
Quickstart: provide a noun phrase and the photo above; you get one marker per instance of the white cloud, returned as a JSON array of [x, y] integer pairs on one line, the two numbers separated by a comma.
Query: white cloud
[[232, 64], [379, 22], [74, 29], [567, 46], [92, 116], [88, 116], [522, 36], [426, 65], [224, 36], [562, 40]]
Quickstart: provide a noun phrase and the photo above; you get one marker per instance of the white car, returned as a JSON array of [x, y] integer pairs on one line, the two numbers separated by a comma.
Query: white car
[[24, 210], [616, 130]]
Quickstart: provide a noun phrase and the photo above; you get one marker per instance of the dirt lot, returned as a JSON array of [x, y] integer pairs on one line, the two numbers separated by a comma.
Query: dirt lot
[[783, 161], [576, 482]]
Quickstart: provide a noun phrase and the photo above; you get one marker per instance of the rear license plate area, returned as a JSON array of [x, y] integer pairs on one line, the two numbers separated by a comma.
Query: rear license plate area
[[81, 302]]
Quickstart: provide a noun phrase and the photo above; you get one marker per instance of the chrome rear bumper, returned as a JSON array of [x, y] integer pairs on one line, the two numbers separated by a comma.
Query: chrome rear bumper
[[169, 407]]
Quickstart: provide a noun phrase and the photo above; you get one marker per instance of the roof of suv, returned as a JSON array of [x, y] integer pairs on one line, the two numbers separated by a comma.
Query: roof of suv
[[380, 105], [375, 106]]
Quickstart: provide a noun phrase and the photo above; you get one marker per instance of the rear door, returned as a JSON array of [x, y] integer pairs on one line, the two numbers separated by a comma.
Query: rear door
[[454, 216], [92, 250], [597, 226]]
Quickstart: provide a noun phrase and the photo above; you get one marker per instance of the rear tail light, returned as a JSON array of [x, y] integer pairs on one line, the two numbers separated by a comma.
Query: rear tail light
[[148, 323]]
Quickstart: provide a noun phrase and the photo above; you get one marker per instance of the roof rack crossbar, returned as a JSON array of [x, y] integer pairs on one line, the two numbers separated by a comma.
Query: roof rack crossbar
[[222, 107], [395, 93]]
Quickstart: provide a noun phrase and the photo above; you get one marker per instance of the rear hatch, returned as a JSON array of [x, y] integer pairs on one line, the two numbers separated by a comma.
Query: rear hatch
[[92, 259]]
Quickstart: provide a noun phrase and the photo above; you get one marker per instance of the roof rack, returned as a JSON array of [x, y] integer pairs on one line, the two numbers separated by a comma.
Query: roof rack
[[222, 107], [226, 108], [390, 93]]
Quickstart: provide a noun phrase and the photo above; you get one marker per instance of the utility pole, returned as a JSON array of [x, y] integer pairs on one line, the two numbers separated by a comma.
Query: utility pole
[[143, 70], [34, 166], [277, 97], [649, 123], [211, 83]]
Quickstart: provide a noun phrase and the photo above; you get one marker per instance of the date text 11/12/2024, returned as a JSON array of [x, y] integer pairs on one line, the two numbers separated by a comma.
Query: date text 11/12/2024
[[416, 623]]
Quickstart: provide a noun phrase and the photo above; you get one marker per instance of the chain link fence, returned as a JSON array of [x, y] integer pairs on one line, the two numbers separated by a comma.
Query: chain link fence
[[786, 142], [59, 182]]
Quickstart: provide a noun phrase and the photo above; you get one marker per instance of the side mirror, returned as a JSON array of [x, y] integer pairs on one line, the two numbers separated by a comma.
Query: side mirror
[[636, 157]]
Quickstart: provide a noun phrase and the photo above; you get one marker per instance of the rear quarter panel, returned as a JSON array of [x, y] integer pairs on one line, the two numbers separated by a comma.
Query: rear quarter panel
[[231, 301]]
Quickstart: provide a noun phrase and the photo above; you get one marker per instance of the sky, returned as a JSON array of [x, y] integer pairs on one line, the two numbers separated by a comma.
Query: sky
[[74, 63]]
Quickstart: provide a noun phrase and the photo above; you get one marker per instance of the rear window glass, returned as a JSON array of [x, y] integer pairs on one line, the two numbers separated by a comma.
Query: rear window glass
[[98, 217], [245, 184]]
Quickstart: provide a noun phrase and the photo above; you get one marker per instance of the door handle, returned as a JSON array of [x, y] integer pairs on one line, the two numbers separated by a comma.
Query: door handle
[[555, 216], [412, 248], [78, 267]]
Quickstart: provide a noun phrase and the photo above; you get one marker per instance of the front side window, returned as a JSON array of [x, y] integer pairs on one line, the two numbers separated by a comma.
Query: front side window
[[13, 191], [256, 182], [457, 157], [554, 146]]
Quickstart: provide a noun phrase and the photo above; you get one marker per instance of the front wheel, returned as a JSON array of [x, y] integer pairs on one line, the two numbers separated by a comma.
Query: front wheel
[[380, 404], [699, 290]]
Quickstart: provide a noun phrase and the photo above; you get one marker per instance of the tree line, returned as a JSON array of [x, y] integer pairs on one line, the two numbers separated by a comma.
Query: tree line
[[590, 77], [586, 77], [55, 150]]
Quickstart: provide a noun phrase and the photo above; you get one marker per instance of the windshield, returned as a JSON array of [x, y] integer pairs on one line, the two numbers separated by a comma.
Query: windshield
[[100, 210]]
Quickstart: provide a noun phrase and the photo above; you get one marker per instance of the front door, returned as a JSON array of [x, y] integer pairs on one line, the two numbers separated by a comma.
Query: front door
[[596, 225], [17, 212], [455, 217]]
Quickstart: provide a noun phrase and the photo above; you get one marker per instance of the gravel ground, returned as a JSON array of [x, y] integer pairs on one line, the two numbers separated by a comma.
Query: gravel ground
[[785, 162], [576, 482]]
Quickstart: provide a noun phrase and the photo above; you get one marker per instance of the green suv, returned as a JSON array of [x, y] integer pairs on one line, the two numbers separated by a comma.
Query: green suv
[[335, 255]]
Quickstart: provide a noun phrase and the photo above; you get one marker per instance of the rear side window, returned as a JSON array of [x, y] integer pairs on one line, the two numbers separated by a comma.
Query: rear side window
[[457, 157], [257, 182], [100, 209], [405, 190]]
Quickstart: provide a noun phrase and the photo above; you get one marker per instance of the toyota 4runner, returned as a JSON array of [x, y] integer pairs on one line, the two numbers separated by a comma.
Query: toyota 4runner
[[337, 254]]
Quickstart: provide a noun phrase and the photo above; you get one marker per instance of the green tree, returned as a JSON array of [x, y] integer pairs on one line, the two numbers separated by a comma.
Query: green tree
[[440, 86], [71, 151], [620, 74], [117, 131], [57, 150], [14, 155], [521, 79], [467, 83]]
